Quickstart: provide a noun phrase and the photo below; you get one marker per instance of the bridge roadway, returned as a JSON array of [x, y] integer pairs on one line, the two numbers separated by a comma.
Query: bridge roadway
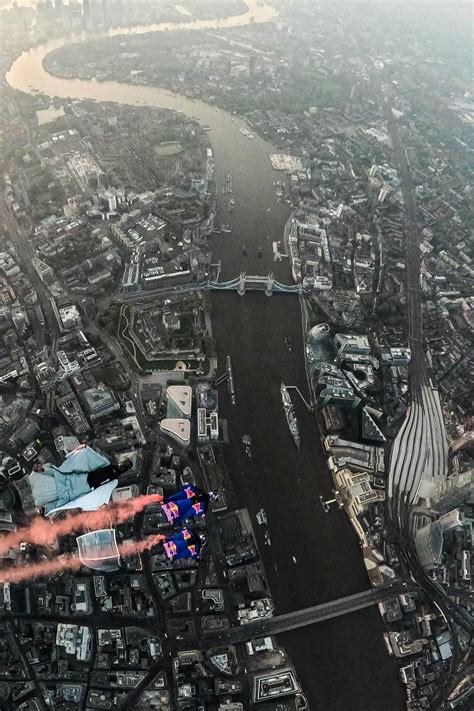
[[308, 616], [252, 283], [256, 283]]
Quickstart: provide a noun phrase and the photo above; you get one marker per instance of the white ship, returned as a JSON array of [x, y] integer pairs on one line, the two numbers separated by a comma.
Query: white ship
[[289, 411]]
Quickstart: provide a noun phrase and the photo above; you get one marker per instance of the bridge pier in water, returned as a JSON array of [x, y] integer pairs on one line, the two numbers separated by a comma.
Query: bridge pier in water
[[241, 287], [269, 285]]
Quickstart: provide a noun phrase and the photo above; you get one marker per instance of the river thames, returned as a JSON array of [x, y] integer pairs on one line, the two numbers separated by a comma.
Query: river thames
[[313, 557]]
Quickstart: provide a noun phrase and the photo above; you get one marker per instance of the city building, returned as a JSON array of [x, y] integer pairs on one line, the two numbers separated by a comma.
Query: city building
[[178, 429], [179, 400], [355, 491], [100, 402], [349, 344], [370, 429], [207, 426], [75, 640], [44, 271], [68, 317], [274, 685]]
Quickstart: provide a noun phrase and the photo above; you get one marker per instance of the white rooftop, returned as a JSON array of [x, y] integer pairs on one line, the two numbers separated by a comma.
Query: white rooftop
[[181, 396], [124, 493], [67, 312], [180, 430]]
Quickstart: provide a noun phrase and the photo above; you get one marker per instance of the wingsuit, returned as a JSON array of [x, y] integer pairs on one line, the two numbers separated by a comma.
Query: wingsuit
[[185, 544], [188, 502], [81, 472]]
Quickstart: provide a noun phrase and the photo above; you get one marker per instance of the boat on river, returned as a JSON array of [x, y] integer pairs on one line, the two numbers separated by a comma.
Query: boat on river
[[289, 411]]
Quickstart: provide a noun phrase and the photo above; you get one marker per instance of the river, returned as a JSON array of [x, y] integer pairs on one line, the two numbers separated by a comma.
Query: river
[[342, 664]]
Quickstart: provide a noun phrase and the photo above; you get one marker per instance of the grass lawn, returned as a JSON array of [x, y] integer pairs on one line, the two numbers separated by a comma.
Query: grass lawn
[[168, 148], [138, 359]]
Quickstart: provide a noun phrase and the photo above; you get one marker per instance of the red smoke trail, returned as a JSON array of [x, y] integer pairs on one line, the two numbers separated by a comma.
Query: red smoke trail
[[45, 568], [140, 546], [42, 532], [71, 562]]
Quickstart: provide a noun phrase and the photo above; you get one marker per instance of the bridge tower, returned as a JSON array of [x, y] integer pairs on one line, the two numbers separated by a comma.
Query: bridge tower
[[241, 288], [269, 285]]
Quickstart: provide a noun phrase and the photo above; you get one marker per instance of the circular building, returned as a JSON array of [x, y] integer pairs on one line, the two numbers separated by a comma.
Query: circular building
[[318, 333]]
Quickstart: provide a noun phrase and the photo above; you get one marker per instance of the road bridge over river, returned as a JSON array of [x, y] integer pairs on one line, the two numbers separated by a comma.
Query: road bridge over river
[[308, 616], [241, 284], [245, 282]]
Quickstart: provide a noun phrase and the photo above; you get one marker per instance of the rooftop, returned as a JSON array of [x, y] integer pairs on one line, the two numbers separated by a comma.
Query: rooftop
[[181, 396]]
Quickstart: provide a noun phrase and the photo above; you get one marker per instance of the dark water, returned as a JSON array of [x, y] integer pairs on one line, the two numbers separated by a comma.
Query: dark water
[[342, 664]]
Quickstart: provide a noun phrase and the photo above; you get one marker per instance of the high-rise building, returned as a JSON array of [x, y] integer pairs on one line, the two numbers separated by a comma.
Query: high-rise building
[[111, 200], [178, 429], [429, 544], [44, 271], [99, 402], [20, 320], [349, 343], [179, 400], [341, 395], [68, 317]]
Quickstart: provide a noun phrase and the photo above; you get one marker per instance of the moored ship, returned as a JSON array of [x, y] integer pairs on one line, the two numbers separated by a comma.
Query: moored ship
[[289, 411]]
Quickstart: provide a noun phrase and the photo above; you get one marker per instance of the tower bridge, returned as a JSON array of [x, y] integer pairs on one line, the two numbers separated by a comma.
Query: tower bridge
[[249, 282], [242, 283]]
